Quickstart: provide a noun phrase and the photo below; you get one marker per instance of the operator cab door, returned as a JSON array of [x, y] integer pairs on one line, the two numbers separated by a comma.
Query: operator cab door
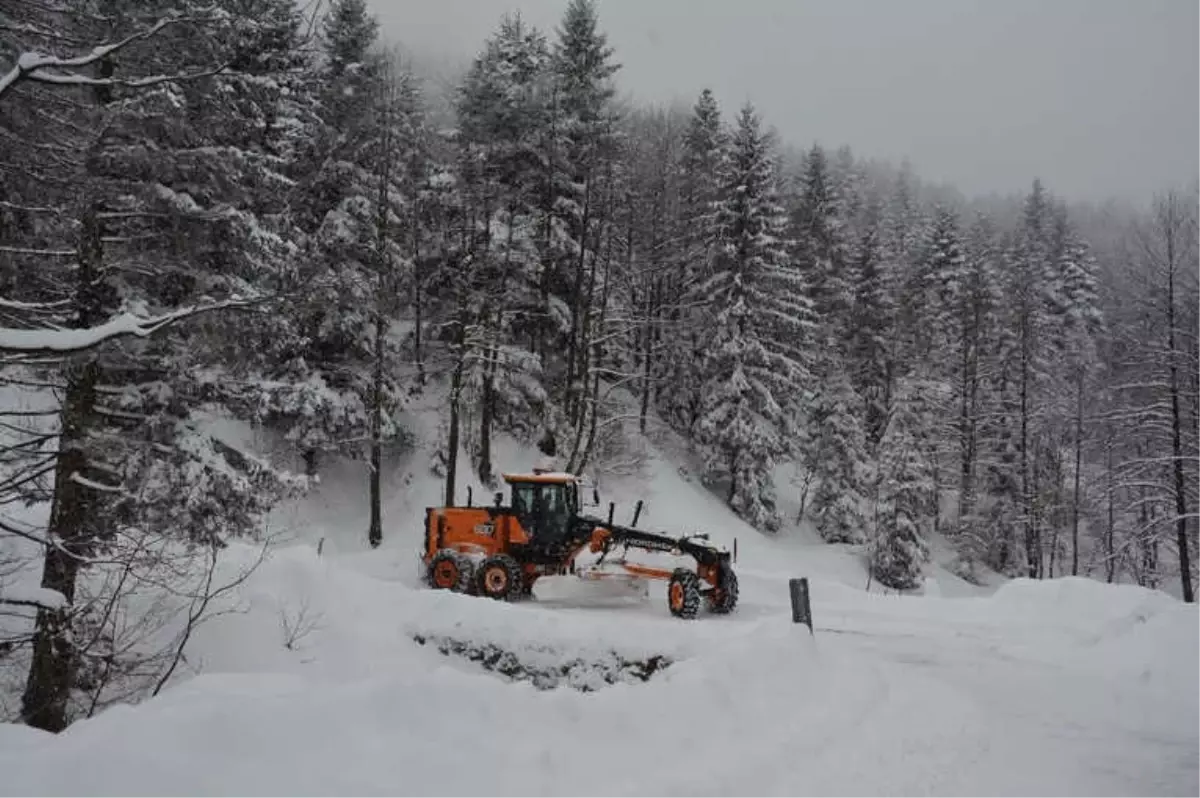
[[545, 511]]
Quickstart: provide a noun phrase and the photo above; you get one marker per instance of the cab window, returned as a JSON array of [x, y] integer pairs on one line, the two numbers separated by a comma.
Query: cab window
[[522, 498]]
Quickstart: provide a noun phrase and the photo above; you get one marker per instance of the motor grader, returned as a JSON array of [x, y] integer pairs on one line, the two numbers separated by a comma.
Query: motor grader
[[499, 551]]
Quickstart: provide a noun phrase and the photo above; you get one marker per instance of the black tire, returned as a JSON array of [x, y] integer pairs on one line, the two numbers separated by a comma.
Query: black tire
[[683, 593], [450, 570], [724, 597], [500, 577]]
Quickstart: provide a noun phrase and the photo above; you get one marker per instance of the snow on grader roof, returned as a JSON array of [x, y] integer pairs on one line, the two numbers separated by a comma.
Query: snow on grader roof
[[538, 475]]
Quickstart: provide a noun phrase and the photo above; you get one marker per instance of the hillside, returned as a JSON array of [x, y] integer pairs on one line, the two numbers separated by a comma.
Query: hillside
[[1061, 687]]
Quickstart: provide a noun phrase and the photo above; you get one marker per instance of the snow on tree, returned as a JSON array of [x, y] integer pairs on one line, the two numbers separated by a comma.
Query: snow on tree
[[354, 199], [586, 146], [170, 211], [819, 229], [502, 107], [871, 353], [974, 301], [754, 367], [839, 463], [904, 483], [704, 141]]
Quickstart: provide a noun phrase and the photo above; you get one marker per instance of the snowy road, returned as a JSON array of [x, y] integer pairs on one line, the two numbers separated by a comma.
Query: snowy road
[[1070, 688]]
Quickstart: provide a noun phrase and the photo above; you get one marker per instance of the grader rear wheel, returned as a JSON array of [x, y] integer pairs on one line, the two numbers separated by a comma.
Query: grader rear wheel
[[500, 578]]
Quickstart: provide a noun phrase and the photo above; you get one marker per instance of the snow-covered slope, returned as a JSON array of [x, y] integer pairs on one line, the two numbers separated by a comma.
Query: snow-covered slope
[[319, 686]]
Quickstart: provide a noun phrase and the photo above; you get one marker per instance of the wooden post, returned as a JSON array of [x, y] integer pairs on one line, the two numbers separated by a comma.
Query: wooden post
[[801, 607]]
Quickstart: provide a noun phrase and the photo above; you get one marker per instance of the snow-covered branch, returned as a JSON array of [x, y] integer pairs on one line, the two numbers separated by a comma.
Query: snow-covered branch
[[34, 67], [31, 342], [35, 597]]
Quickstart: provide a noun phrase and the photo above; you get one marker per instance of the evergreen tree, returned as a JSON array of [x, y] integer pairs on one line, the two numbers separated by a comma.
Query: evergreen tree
[[838, 462], [585, 141], [872, 321], [704, 143], [904, 484], [348, 32], [501, 107], [353, 201], [941, 268], [821, 251], [974, 303], [174, 186], [754, 371]]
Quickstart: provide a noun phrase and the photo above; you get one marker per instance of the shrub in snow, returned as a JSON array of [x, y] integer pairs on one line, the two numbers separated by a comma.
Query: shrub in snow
[[547, 668]]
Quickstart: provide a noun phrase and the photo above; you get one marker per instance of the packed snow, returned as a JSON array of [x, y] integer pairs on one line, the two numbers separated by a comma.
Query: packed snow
[[316, 684]]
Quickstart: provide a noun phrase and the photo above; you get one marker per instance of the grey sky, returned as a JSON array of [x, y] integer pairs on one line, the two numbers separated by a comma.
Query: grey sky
[[1098, 97]]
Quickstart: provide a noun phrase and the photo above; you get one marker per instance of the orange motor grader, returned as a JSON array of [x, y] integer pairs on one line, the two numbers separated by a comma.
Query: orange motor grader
[[499, 551]]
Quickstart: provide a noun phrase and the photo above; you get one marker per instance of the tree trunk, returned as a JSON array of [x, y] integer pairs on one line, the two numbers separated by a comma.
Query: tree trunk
[[486, 411], [375, 525], [452, 435], [418, 321], [456, 381], [1031, 545], [575, 343], [1110, 541], [733, 481], [647, 345], [593, 425], [74, 511], [966, 456], [1076, 480], [1181, 509]]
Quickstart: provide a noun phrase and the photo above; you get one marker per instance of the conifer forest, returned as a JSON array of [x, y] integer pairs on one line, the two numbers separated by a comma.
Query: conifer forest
[[262, 211]]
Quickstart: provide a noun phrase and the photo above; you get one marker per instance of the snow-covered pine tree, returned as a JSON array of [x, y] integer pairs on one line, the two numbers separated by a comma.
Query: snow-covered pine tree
[[585, 139], [354, 202], [871, 352], [848, 187], [704, 142], [837, 456], [930, 354], [162, 224], [904, 483], [755, 374], [1029, 292], [940, 267], [502, 106], [819, 230], [974, 301], [905, 232]]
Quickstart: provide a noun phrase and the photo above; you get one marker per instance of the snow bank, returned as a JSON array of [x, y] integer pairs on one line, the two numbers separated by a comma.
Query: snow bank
[[406, 732], [750, 703], [1080, 598]]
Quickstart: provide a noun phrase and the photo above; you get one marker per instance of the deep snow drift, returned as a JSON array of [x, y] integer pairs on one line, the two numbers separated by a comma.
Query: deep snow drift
[[318, 687]]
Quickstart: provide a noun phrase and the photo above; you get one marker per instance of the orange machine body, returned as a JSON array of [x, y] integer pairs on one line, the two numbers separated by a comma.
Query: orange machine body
[[500, 551]]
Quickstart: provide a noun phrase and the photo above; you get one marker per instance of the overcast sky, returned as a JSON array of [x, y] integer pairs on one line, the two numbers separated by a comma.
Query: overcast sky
[[1098, 97]]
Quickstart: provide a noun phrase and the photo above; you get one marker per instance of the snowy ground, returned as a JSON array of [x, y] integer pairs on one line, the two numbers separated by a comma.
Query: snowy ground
[[1064, 687]]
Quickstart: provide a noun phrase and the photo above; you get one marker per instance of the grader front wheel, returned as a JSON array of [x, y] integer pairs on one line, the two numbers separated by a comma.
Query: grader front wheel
[[683, 593], [724, 597], [449, 570]]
